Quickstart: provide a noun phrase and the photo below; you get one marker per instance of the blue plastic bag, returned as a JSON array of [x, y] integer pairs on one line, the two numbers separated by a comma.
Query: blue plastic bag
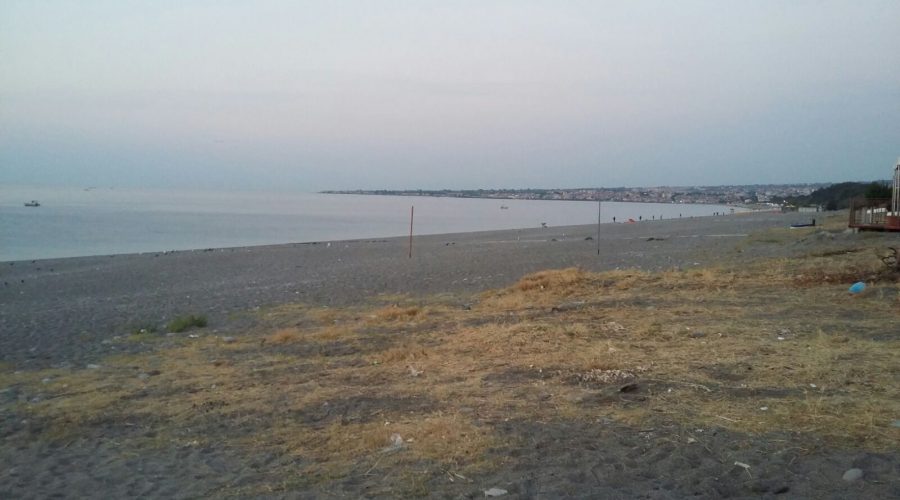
[[857, 287]]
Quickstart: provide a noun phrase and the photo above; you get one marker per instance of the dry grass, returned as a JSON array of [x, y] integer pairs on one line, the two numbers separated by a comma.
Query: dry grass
[[395, 313], [765, 347], [284, 336], [330, 333], [559, 281]]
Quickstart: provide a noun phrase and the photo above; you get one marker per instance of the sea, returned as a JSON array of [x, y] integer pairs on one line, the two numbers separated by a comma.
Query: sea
[[78, 221]]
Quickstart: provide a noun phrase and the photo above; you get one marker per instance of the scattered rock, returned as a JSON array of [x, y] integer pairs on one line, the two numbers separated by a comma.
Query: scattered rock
[[853, 475], [93, 366], [742, 465], [782, 489], [696, 335], [228, 340], [143, 376], [495, 492], [396, 443]]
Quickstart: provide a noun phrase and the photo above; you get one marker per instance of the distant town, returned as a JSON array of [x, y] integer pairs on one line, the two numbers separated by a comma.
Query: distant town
[[720, 195]]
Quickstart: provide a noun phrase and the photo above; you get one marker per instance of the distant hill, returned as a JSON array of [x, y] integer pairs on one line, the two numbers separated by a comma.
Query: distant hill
[[838, 196]]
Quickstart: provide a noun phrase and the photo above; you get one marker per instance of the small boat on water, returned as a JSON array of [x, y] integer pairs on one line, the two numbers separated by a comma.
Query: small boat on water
[[32, 203]]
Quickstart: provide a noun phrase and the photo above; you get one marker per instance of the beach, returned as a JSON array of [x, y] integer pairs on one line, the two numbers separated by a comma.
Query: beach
[[677, 362], [57, 310]]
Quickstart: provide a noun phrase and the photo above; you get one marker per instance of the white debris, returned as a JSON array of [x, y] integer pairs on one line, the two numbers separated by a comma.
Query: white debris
[[396, 443]]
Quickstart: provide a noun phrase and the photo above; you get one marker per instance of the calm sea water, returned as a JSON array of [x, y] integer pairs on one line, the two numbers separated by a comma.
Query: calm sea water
[[76, 222]]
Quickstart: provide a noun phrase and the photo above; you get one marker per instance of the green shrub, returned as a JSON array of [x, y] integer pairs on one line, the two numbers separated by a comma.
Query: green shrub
[[183, 323]]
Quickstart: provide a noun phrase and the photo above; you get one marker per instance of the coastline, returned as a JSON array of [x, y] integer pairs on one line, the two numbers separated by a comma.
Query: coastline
[[56, 310], [75, 223]]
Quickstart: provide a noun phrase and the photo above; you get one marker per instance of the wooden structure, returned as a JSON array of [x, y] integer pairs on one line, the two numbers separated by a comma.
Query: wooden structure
[[878, 214]]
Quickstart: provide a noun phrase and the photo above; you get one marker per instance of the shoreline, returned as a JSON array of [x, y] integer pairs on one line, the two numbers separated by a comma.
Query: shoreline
[[45, 247], [55, 310], [374, 239]]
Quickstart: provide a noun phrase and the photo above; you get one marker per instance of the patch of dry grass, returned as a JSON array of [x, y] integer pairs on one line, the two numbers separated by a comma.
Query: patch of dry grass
[[330, 333], [395, 313], [560, 281], [284, 336]]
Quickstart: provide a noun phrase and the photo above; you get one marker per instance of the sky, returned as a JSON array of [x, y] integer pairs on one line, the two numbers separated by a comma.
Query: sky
[[321, 95]]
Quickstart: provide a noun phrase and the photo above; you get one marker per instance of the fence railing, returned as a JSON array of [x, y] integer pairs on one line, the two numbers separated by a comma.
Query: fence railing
[[870, 212]]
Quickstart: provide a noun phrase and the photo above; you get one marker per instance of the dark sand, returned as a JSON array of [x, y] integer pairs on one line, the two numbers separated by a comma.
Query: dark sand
[[59, 312]]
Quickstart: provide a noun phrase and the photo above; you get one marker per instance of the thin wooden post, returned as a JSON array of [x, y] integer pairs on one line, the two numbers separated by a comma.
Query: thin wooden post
[[599, 213], [412, 211]]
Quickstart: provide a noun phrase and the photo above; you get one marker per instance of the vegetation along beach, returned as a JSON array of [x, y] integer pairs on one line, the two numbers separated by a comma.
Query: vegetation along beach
[[717, 356]]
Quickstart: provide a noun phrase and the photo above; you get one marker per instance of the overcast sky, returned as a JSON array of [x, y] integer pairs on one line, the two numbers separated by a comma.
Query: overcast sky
[[340, 95]]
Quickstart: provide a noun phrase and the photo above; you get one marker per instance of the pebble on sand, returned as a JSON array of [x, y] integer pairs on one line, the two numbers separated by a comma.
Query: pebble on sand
[[853, 475], [396, 443]]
